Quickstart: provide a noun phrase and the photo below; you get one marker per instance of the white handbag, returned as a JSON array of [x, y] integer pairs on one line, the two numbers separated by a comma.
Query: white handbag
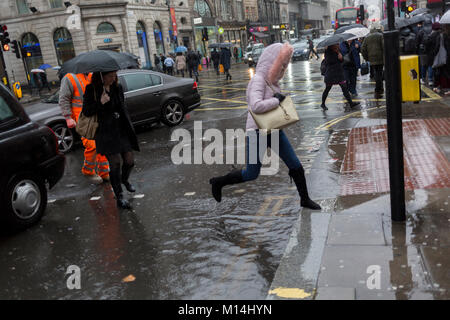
[[278, 118]]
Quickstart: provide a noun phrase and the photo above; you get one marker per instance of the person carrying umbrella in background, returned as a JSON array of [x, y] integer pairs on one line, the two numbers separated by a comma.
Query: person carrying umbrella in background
[[192, 62], [351, 63], [334, 74], [373, 51], [215, 56], [71, 95], [115, 136], [225, 60], [311, 48], [44, 81]]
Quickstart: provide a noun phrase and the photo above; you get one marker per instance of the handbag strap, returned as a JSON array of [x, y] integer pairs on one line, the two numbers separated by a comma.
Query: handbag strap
[[280, 105]]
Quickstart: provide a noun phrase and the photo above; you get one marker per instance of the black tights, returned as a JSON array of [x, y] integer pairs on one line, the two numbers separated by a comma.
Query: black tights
[[114, 166], [344, 89]]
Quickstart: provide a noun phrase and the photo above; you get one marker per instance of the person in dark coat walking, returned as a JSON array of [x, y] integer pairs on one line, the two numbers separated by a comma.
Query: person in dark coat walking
[[352, 48], [115, 136], [215, 56], [432, 47], [192, 61], [44, 81], [334, 74], [225, 60], [157, 62], [311, 49], [162, 58]]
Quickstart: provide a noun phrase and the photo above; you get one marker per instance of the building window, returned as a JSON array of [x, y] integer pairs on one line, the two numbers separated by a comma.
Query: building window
[[202, 8], [56, 3], [105, 27], [144, 53], [32, 49], [63, 45], [239, 10], [159, 40], [22, 7]]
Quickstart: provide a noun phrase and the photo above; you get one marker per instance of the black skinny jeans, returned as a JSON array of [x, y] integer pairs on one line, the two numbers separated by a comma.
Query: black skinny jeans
[[117, 178], [344, 91]]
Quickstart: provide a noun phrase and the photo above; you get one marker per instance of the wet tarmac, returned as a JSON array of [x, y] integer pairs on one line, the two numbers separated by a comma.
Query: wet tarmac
[[178, 243]]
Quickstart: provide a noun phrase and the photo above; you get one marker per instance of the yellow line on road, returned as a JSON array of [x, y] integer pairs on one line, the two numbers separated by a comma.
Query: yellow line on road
[[330, 123], [433, 95], [225, 100], [224, 108]]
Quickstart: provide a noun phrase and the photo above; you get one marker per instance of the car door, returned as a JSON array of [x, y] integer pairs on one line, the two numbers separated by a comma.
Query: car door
[[140, 95]]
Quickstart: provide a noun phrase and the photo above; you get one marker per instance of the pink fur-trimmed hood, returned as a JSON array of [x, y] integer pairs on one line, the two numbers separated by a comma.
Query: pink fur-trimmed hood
[[259, 95]]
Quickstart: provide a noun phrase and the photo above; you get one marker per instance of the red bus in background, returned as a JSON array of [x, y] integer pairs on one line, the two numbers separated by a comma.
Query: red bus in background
[[347, 16]]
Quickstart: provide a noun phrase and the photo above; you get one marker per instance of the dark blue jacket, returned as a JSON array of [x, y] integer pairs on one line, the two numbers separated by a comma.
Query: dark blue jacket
[[225, 58], [355, 52]]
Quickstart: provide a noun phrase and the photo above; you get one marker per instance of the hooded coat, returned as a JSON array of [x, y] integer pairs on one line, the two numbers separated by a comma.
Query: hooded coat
[[260, 97]]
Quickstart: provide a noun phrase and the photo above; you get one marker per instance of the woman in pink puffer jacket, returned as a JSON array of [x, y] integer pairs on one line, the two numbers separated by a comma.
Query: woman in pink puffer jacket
[[260, 98]]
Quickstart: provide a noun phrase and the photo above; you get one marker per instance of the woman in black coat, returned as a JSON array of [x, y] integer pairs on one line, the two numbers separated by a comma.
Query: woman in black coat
[[115, 136], [334, 74]]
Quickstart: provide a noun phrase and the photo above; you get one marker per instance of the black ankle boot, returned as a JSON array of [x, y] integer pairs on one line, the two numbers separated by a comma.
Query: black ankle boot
[[323, 106], [219, 182], [298, 175], [354, 104], [122, 203], [126, 170]]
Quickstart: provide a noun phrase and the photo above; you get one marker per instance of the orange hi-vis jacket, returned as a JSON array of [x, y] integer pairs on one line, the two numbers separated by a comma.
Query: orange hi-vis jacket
[[79, 83]]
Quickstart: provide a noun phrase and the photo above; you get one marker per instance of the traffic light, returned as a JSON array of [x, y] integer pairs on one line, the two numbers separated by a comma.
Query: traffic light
[[205, 34], [15, 48], [5, 47], [361, 13], [410, 9], [4, 35]]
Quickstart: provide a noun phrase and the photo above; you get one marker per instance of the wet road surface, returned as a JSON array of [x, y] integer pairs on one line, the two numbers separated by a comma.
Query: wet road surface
[[178, 243]]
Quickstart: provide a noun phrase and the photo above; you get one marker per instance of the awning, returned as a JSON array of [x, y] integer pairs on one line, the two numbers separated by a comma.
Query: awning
[[260, 34]]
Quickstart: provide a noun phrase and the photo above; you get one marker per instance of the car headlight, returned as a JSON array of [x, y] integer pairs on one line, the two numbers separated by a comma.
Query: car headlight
[[305, 50], [250, 58]]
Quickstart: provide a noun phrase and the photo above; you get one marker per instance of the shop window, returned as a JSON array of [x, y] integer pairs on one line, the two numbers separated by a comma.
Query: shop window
[[105, 27]]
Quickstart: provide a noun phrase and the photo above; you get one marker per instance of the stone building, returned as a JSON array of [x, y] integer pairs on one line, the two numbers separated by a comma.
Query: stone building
[[53, 31]]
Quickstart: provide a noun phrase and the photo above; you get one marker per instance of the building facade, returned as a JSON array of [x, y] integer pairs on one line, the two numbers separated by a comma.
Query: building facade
[[54, 31]]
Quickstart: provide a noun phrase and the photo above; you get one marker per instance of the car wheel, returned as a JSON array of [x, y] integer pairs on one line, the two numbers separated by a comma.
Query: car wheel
[[172, 113], [65, 137], [26, 200]]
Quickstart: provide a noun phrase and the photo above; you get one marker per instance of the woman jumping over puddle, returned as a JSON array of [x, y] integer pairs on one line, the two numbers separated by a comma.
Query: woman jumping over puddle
[[271, 68]]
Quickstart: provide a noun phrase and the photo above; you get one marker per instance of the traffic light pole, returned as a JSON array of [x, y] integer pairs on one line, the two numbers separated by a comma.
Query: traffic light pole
[[4, 69], [394, 117]]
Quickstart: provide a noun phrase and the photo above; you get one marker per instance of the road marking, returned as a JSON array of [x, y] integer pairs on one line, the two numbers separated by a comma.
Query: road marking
[[430, 93], [224, 100], [330, 123], [292, 293]]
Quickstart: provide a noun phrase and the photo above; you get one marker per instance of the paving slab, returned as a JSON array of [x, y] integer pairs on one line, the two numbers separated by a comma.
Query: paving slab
[[335, 293]]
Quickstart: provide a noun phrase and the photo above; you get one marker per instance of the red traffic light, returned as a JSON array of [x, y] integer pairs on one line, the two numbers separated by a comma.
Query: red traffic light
[[6, 47], [4, 27]]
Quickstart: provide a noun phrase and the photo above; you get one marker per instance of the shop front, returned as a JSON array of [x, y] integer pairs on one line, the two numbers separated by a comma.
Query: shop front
[[202, 25]]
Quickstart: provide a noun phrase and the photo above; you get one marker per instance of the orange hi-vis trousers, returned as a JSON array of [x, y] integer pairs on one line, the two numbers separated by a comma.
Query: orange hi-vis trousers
[[91, 158]]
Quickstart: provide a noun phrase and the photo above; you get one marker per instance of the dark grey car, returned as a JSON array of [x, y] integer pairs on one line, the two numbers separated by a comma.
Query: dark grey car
[[149, 96]]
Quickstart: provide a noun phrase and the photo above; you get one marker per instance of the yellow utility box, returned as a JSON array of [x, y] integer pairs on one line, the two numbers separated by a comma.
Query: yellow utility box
[[410, 77], [17, 89]]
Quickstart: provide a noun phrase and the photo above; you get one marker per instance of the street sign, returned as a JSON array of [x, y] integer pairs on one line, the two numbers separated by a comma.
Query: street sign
[[198, 20]]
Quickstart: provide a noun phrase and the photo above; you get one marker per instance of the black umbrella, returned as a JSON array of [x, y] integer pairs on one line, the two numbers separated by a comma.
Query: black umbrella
[[418, 11], [345, 28], [335, 39], [399, 23], [99, 61]]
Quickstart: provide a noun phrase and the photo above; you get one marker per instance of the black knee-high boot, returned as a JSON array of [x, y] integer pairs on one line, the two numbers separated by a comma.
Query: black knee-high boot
[[218, 183], [298, 175], [114, 175], [126, 170]]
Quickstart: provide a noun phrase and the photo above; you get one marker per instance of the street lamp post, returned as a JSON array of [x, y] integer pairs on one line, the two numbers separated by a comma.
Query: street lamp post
[[394, 116]]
